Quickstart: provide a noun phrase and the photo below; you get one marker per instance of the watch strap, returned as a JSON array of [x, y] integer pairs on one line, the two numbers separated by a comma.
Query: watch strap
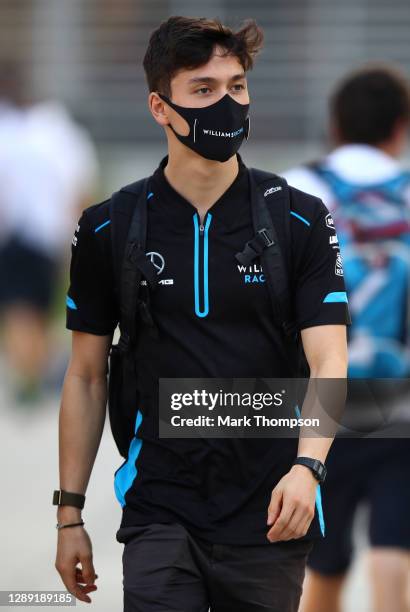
[[317, 467], [66, 498]]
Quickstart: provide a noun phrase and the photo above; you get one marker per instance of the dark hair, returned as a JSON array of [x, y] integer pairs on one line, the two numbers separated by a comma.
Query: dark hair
[[368, 103], [188, 42]]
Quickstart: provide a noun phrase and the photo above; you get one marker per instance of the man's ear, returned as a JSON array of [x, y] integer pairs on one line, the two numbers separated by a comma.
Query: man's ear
[[158, 109], [400, 134]]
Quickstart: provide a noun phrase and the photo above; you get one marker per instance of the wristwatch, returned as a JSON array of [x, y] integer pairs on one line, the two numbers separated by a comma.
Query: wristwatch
[[65, 498], [317, 468]]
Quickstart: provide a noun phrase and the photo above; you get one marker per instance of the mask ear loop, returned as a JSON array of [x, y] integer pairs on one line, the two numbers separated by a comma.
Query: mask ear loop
[[168, 101], [247, 127]]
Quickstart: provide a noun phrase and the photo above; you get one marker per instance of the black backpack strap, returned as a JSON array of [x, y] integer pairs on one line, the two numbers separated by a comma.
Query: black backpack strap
[[128, 214], [272, 219], [265, 244]]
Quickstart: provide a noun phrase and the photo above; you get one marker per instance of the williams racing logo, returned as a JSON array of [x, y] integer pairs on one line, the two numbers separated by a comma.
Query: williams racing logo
[[223, 134], [252, 274]]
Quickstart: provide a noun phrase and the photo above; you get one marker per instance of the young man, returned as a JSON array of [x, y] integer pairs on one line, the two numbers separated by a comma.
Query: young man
[[368, 195], [224, 524]]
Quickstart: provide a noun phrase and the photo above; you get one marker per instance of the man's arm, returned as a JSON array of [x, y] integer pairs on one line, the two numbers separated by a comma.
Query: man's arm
[[81, 423], [325, 348], [292, 505]]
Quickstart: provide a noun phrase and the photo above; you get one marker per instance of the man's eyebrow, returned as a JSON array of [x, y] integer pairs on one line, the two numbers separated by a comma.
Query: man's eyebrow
[[238, 77], [212, 80]]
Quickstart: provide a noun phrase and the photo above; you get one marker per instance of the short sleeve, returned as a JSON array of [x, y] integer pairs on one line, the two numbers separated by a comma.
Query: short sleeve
[[91, 304], [320, 291]]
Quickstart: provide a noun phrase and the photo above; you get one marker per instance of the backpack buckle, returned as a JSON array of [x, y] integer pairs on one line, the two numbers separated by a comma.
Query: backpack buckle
[[253, 248], [268, 240]]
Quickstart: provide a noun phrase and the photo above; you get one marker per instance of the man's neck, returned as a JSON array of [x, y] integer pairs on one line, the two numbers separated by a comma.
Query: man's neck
[[200, 181], [392, 147]]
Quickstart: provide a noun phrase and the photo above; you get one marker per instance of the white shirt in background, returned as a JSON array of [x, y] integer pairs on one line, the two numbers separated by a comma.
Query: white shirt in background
[[48, 165], [355, 163]]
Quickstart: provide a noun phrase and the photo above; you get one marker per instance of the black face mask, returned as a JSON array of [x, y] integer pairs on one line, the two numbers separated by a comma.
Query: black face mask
[[216, 131]]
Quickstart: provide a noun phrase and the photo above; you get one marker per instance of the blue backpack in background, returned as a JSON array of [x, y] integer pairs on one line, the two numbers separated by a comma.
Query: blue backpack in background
[[373, 229]]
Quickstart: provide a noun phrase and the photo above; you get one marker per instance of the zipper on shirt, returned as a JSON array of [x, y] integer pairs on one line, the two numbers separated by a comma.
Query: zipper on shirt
[[201, 264]]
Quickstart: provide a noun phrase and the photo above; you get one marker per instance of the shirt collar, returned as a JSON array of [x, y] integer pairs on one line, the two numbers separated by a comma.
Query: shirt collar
[[361, 163], [225, 208]]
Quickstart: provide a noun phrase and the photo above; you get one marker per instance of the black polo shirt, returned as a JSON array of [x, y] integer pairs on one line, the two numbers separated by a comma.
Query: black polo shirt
[[214, 320]]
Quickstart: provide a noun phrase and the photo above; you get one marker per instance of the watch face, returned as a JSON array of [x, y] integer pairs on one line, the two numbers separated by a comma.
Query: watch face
[[317, 467], [321, 471]]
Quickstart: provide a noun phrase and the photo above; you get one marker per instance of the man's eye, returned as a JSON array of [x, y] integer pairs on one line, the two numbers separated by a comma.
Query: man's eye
[[238, 87], [203, 90]]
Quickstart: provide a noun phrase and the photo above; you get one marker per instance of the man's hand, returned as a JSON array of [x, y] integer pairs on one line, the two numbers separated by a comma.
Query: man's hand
[[292, 505], [74, 546]]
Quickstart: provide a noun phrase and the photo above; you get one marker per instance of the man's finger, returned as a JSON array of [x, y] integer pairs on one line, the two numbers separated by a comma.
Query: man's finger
[[69, 579], [275, 506], [79, 575], [79, 570], [281, 522], [87, 568], [308, 523], [295, 525]]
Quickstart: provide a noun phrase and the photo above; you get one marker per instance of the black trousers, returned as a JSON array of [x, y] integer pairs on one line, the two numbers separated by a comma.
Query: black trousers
[[166, 569]]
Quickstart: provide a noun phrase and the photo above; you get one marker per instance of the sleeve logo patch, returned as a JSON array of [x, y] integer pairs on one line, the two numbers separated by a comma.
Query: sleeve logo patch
[[329, 221], [339, 265], [75, 237]]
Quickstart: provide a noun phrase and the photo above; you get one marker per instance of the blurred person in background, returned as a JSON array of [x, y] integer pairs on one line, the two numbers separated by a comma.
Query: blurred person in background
[[368, 195], [48, 171]]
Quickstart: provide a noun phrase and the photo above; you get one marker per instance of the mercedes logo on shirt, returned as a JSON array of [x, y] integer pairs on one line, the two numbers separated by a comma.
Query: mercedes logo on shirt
[[157, 261]]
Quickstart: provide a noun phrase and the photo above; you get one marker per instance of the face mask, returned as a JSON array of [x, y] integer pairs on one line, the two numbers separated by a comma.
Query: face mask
[[216, 131]]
